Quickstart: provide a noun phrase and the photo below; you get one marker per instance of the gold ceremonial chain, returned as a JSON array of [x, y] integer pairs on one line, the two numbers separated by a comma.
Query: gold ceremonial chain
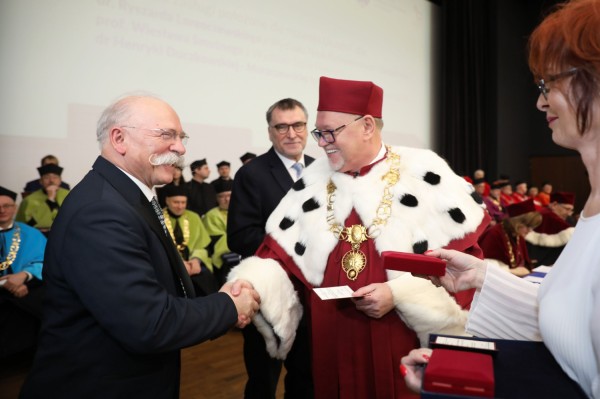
[[14, 248], [354, 261], [185, 228], [496, 202], [511, 255]]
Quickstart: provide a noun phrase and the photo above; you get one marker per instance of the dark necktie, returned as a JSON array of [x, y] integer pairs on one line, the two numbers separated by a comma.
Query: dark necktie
[[159, 214], [161, 218], [177, 233]]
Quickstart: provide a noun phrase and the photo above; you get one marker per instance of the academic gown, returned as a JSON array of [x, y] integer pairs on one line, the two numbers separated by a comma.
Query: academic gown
[[355, 356], [201, 197], [495, 245], [35, 210], [30, 255]]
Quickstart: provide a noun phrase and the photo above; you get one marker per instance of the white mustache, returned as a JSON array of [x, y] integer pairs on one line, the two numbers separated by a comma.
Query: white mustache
[[168, 158]]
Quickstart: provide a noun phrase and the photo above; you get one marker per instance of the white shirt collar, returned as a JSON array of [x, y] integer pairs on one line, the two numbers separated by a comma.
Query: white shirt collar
[[148, 193], [380, 154], [9, 227]]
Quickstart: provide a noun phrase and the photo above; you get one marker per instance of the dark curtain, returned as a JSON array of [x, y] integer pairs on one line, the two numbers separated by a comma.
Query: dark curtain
[[468, 81]]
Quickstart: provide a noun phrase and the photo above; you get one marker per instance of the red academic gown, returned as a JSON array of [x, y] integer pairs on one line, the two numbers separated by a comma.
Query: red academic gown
[[494, 244], [341, 367]]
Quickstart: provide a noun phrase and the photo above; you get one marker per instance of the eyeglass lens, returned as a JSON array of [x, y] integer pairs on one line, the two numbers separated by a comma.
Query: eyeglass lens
[[283, 128]]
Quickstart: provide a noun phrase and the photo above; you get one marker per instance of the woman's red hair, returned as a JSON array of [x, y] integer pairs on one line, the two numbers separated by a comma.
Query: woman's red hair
[[570, 38]]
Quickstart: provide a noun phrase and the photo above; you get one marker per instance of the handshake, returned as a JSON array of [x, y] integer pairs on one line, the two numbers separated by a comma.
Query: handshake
[[245, 298]]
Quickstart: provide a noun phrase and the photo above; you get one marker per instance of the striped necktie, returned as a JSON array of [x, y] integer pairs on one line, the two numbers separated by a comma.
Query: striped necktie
[[159, 214], [161, 218]]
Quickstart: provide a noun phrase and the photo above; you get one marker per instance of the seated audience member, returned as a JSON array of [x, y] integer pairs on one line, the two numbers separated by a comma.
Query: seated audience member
[[201, 195], [544, 195], [533, 192], [563, 204], [480, 174], [21, 256], [520, 192], [39, 209], [547, 241], [247, 157], [504, 243], [493, 205], [506, 193], [191, 239], [178, 180], [36, 184], [215, 221], [479, 185], [224, 170]]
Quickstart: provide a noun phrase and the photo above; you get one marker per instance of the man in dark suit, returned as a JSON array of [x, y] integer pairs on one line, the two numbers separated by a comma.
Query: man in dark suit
[[202, 196], [257, 189], [119, 303]]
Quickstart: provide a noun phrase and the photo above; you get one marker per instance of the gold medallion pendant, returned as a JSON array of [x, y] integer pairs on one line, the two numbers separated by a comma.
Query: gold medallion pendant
[[354, 261]]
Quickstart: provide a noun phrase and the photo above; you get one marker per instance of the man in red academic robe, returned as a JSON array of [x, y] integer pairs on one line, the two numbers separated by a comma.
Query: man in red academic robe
[[547, 241], [363, 198]]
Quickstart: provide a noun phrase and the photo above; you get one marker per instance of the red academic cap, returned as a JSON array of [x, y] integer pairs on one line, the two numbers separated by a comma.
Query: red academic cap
[[350, 97], [520, 208], [563, 198]]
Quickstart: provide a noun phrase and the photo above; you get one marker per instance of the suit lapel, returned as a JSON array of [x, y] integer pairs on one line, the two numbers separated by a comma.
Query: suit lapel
[[280, 174], [134, 196]]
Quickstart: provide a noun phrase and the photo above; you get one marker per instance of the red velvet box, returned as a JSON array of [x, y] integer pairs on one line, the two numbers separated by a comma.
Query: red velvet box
[[414, 263], [459, 372]]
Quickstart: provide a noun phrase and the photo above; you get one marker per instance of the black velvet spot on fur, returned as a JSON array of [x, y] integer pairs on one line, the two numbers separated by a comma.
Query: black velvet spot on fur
[[457, 215], [409, 200], [420, 247], [299, 249], [286, 223], [432, 178], [299, 185], [477, 197], [310, 205]]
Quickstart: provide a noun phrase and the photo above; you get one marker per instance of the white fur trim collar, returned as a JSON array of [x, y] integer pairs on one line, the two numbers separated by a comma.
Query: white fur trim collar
[[431, 206]]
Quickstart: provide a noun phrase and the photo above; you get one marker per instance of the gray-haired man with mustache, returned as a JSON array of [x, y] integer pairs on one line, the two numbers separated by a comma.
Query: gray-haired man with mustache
[[119, 303]]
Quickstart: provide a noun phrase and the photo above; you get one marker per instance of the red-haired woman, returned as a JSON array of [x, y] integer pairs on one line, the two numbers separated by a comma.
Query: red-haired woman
[[563, 311]]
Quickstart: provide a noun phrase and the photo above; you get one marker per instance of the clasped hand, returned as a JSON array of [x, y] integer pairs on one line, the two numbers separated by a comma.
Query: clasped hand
[[245, 298], [15, 284]]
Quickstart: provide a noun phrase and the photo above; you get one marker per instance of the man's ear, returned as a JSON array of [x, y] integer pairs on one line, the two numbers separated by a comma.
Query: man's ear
[[369, 126], [117, 140]]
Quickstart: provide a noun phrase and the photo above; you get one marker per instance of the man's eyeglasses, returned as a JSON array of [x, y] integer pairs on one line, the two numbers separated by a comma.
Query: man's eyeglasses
[[552, 78], [283, 128], [327, 134], [165, 134], [7, 206]]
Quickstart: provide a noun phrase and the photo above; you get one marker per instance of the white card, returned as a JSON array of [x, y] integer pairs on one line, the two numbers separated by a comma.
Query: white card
[[466, 343], [334, 292]]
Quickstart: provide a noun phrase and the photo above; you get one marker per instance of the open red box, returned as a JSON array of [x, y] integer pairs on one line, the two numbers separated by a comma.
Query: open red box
[[459, 372]]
